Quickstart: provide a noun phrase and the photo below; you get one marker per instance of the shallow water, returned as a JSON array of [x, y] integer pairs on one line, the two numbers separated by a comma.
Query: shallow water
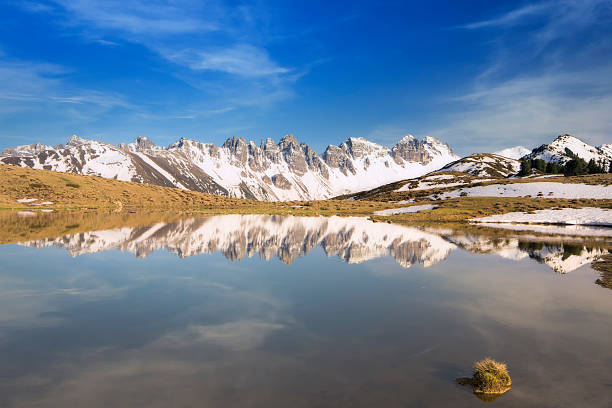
[[285, 311]]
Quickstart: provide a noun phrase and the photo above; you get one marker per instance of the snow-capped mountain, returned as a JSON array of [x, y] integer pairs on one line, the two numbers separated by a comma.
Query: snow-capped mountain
[[288, 170], [556, 151], [485, 165], [515, 152]]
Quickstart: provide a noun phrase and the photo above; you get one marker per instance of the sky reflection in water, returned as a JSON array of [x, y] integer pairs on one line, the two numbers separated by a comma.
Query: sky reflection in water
[[345, 312]]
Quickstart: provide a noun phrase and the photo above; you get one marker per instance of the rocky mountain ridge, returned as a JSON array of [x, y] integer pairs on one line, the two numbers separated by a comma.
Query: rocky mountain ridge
[[288, 170]]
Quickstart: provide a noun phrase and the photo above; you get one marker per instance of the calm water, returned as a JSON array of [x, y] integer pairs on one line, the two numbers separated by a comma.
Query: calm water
[[260, 311]]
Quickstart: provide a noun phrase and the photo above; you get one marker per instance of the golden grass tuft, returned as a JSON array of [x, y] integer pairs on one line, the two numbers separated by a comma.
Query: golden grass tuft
[[490, 377]]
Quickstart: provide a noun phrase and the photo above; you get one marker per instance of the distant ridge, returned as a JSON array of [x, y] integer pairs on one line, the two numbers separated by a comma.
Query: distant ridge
[[515, 152]]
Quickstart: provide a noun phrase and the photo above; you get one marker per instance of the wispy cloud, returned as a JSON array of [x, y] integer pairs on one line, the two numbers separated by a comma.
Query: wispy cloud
[[198, 37], [149, 18], [242, 60], [553, 78], [512, 17], [531, 110], [29, 85], [193, 114]]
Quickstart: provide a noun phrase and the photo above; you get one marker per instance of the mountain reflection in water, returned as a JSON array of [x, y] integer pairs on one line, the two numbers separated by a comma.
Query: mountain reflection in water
[[352, 239]]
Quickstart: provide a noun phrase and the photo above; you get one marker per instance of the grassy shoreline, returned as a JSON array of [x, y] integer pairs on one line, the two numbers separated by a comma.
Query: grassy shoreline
[[87, 193]]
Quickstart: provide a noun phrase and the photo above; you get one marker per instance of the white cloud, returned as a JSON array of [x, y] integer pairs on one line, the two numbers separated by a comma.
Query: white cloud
[[242, 60]]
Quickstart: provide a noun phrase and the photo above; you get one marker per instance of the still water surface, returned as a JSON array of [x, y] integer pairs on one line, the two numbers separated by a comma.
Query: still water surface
[[262, 311]]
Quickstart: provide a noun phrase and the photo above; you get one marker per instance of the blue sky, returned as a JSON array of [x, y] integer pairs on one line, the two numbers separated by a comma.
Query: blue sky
[[480, 75]]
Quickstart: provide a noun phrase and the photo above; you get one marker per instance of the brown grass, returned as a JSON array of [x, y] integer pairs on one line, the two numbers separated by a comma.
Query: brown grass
[[72, 191], [490, 377], [604, 265]]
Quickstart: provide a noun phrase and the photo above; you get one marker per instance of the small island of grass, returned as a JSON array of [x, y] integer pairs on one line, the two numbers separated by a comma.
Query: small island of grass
[[490, 378]]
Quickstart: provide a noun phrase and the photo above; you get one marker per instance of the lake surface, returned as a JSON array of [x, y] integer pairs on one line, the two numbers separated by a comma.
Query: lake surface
[[265, 311]]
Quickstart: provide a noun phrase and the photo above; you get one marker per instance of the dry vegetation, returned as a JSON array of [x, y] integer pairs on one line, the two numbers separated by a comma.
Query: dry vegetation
[[71, 191], [604, 266], [490, 379]]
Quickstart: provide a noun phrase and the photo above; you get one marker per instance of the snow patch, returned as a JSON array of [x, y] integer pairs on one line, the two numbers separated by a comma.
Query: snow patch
[[547, 190], [567, 216]]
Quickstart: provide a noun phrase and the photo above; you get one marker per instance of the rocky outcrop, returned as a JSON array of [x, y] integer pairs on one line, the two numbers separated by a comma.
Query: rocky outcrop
[[281, 181], [411, 150]]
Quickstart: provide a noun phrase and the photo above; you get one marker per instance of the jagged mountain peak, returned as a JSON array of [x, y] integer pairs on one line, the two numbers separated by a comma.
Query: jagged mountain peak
[[75, 140], [287, 141], [406, 139]]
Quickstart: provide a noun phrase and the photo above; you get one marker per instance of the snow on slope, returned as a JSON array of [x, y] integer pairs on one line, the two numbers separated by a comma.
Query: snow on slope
[[515, 152], [547, 189], [288, 170], [485, 165]]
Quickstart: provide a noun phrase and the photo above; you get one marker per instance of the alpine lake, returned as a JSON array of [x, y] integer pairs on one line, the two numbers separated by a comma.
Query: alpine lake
[[186, 310]]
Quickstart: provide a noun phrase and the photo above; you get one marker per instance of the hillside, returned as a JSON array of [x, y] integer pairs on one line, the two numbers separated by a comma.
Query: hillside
[[485, 165], [285, 171], [557, 151], [43, 190]]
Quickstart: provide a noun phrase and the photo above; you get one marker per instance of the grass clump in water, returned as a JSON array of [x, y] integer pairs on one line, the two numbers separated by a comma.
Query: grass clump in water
[[490, 377], [489, 381]]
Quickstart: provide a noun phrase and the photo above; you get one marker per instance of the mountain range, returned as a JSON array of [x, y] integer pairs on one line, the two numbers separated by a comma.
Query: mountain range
[[285, 171]]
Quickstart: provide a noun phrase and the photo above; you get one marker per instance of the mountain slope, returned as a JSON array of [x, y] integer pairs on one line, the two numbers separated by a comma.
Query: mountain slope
[[556, 151], [485, 165], [288, 170]]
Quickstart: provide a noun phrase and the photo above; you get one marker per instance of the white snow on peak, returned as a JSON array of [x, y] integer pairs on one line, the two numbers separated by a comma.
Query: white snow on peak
[[556, 151], [75, 140], [406, 139], [515, 152], [244, 169]]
